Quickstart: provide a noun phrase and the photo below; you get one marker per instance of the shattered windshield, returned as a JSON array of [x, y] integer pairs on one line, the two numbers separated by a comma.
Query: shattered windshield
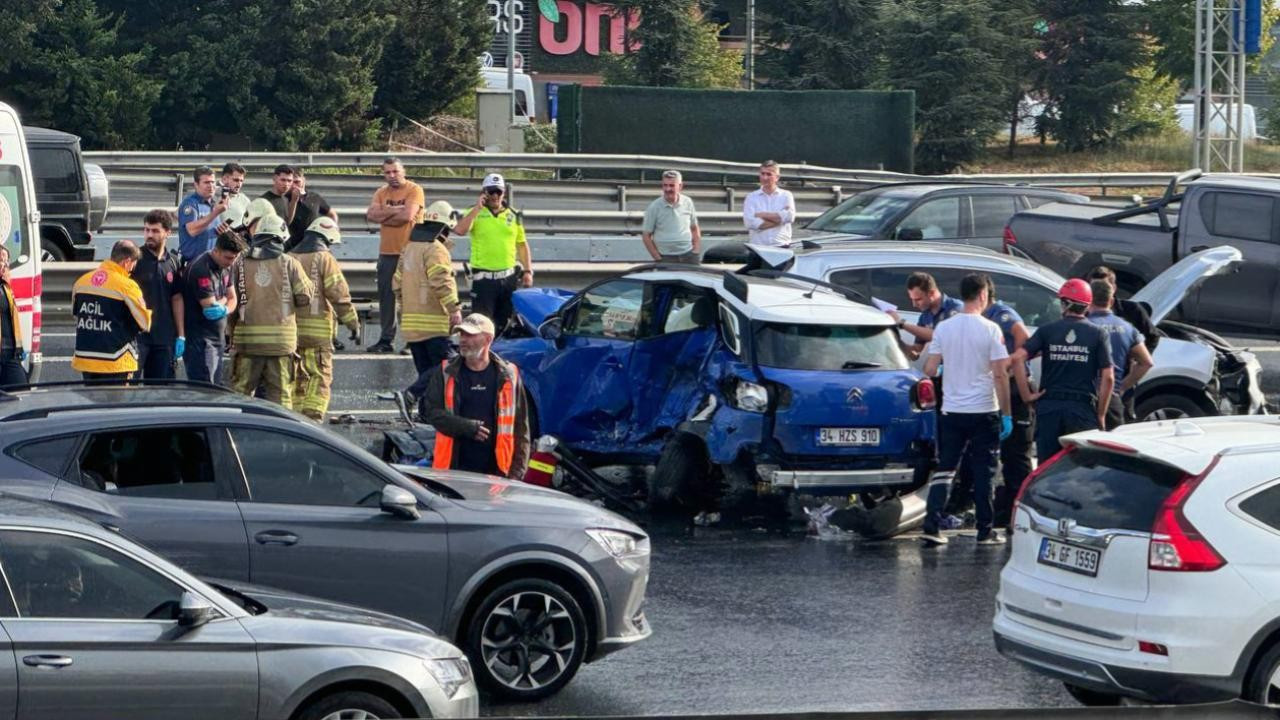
[[828, 347]]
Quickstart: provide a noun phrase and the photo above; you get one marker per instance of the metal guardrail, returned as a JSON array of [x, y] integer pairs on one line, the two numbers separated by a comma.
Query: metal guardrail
[[185, 161]]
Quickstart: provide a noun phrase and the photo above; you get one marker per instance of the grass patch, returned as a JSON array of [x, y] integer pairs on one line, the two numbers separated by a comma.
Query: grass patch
[[1165, 153]]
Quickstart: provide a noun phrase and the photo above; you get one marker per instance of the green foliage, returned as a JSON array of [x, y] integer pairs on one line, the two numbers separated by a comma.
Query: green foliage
[[820, 44], [18, 21], [1150, 111], [703, 64], [1091, 50], [955, 64], [70, 76], [430, 60]]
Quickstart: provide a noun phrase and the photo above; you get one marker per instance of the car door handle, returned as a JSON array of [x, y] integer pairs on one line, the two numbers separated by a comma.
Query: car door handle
[[1198, 248], [48, 662], [276, 537], [614, 363]]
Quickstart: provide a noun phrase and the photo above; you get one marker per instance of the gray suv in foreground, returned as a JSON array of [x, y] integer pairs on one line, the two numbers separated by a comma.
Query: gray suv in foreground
[[98, 627], [530, 582]]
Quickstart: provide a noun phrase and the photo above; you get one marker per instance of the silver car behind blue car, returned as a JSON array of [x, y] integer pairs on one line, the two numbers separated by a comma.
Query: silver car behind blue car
[[98, 627]]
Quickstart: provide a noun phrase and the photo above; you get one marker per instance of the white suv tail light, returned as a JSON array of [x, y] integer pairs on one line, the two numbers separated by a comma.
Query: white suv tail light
[[1176, 544]]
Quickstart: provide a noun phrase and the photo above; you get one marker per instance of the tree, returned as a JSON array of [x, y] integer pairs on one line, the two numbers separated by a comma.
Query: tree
[[819, 44], [1092, 49], [71, 77], [430, 59], [954, 63], [18, 21], [704, 64]]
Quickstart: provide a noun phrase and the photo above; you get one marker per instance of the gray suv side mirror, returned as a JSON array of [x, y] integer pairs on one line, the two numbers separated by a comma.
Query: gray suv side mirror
[[910, 234], [193, 610], [399, 502]]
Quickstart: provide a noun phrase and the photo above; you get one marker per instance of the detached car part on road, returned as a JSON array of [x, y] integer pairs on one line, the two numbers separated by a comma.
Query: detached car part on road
[[94, 626], [714, 376], [530, 582]]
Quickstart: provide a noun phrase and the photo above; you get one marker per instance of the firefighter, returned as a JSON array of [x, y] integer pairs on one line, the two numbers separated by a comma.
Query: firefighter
[[110, 312], [269, 285], [314, 371], [427, 294]]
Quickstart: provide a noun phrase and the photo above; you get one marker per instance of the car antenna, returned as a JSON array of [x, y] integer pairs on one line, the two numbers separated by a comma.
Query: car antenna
[[812, 290]]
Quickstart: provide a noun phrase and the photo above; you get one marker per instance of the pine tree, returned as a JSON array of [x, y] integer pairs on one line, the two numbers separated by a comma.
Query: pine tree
[[954, 63], [1092, 50], [70, 76], [678, 48], [430, 59], [18, 20], [819, 44]]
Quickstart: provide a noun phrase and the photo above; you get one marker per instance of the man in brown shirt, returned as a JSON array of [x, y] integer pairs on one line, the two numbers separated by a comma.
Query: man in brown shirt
[[396, 207]]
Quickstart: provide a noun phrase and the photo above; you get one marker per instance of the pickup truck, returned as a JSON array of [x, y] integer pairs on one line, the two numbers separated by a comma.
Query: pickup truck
[[1141, 241]]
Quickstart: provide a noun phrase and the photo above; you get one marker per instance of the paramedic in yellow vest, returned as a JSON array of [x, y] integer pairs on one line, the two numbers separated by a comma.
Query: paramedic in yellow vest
[[110, 312], [428, 294], [497, 240], [313, 374], [12, 352], [477, 405], [270, 285]]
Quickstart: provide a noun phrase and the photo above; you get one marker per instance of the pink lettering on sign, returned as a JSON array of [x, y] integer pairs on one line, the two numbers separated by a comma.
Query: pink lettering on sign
[[581, 27]]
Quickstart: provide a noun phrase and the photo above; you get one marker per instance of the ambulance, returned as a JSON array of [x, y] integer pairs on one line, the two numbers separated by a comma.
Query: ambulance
[[20, 231]]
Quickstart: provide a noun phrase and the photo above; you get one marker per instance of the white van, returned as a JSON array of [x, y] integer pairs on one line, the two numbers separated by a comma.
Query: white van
[[496, 79], [20, 231]]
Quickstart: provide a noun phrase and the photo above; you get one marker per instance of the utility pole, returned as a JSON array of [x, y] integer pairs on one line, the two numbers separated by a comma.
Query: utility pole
[[511, 59], [1219, 85], [751, 45]]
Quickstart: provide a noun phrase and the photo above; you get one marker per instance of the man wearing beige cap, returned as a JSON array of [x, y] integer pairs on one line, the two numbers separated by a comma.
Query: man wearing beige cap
[[476, 404]]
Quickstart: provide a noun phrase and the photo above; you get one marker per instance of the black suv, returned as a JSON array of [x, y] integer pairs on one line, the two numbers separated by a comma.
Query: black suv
[[72, 196]]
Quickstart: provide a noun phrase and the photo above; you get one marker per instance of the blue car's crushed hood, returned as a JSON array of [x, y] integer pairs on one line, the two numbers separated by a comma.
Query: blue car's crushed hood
[[534, 305]]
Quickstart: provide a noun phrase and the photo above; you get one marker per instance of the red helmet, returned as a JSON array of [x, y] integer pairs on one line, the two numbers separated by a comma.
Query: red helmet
[[1076, 291]]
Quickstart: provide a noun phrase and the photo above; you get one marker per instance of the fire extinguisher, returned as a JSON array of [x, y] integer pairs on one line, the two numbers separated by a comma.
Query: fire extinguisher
[[542, 463]]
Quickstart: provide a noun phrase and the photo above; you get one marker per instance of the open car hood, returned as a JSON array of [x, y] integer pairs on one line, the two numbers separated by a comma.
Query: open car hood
[[1168, 289]]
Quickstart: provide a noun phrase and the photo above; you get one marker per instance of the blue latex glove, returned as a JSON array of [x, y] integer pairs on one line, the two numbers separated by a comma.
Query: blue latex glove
[[22, 355], [179, 346], [215, 312], [1006, 426]]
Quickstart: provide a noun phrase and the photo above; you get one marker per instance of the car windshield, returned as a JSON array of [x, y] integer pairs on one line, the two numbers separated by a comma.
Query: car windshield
[[828, 347], [861, 214]]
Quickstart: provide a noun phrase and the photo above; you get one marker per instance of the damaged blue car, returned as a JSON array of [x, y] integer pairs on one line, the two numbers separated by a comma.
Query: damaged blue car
[[724, 381]]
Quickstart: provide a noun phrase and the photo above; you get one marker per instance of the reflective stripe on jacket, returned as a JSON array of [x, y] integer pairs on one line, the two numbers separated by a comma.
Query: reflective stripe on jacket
[[110, 312], [504, 443], [425, 286], [315, 320]]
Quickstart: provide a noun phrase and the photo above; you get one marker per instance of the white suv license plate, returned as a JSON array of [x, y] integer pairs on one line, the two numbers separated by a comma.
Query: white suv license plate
[[1070, 557], [848, 436]]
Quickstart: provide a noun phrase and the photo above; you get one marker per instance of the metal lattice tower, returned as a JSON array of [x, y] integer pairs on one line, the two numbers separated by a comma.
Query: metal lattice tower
[[1219, 86]]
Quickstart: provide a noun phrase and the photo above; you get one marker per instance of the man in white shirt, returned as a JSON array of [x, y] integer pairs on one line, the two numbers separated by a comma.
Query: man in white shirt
[[769, 211], [975, 407]]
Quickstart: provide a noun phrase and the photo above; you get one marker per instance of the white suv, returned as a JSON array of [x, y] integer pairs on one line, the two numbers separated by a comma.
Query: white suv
[[1146, 564]]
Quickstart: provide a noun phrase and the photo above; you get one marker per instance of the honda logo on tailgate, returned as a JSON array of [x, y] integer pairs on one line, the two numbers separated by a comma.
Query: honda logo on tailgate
[[1065, 526]]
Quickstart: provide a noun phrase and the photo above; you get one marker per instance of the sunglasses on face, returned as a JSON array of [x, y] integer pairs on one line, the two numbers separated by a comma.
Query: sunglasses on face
[[493, 191]]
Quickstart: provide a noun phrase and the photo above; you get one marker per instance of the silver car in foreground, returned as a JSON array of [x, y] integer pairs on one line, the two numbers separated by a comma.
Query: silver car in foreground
[[99, 627]]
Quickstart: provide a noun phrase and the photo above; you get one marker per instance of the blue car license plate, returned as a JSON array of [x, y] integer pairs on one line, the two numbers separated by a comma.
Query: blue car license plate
[[849, 436]]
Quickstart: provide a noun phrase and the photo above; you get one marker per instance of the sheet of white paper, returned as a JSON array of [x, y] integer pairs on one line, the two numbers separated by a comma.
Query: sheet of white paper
[[882, 305]]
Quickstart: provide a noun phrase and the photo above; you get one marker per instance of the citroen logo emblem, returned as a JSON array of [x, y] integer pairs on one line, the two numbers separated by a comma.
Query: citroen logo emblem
[[854, 397]]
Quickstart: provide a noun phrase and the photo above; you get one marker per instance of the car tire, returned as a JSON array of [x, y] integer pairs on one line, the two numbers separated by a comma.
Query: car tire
[[1263, 684], [347, 704], [1168, 406], [50, 251], [1091, 698], [519, 617], [682, 468]]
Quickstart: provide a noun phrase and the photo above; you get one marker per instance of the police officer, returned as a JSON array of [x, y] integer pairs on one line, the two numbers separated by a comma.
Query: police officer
[[1075, 370], [1015, 450], [314, 371], [497, 239], [159, 274], [1130, 310], [269, 285], [934, 307], [1129, 355], [110, 312], [428, 294]]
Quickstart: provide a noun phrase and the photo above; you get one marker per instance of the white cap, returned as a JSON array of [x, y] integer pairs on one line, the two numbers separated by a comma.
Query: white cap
[[494, 180]]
